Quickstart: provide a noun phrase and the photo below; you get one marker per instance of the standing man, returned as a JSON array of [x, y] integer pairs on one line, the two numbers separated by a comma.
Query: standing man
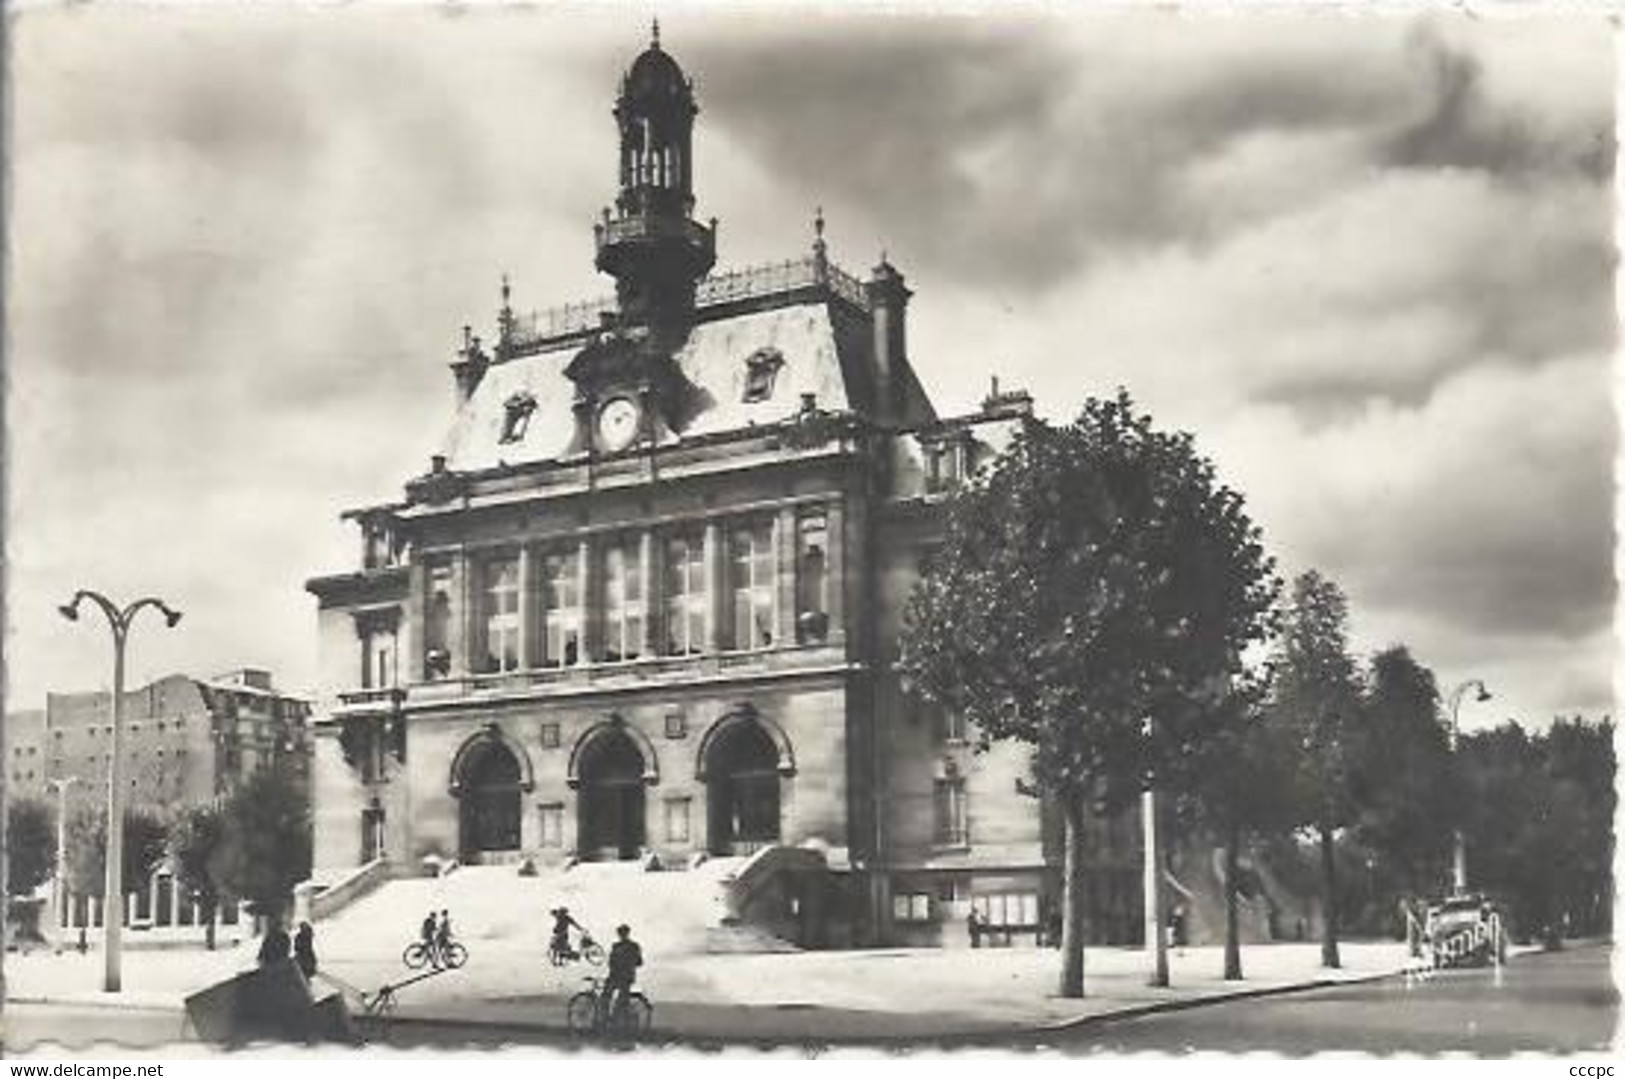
[[625, 957]]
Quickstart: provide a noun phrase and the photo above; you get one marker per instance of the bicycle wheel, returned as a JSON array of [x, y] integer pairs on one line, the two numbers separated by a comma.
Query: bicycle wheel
[[581, 1014], [415, 956], [593, 953], [640, 1012], [455, 956]]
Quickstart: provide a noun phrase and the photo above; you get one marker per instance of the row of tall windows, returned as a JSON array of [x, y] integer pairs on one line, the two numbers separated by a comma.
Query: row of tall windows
[[750, 570]]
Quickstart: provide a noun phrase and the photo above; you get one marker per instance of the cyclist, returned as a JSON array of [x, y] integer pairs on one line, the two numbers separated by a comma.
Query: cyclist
[[442, 937], [625, 957], [562, 922]]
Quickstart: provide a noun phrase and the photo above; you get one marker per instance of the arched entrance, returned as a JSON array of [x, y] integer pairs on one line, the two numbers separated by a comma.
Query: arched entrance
[[611, 778], [742, 769], [490, 786]]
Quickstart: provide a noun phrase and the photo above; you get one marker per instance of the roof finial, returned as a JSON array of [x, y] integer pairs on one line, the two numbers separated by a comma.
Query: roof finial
[[654, 33], [818, 223]]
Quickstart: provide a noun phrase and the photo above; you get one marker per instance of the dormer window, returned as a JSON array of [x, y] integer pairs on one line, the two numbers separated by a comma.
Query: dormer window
[[761, 367], [516, 417]]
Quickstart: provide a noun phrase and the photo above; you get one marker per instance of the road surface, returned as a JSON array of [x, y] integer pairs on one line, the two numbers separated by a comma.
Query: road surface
[[1555, 1002], [1561, 1002]]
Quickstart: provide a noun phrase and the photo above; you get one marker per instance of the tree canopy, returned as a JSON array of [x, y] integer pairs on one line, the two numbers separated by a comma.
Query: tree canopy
[[266, 848], [1095, 575], [30, 845]]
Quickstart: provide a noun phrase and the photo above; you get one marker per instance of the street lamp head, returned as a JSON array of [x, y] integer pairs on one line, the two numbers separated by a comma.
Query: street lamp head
[[70, 611], [172, 617], [1483, 694]]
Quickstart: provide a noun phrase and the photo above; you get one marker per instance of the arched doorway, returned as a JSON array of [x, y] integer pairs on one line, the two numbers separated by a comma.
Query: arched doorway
[[490, 810], [742, 789], [611, 776]]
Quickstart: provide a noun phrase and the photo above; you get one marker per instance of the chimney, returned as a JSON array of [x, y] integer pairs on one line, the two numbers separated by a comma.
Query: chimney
[[469, 367], [888, 298]]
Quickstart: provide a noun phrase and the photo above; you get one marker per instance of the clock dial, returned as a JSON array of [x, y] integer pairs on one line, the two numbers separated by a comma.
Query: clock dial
[[618, 423]]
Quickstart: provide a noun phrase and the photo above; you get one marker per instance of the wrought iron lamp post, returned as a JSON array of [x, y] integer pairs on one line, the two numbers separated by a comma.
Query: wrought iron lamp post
[[119, 622], [1459, 863]]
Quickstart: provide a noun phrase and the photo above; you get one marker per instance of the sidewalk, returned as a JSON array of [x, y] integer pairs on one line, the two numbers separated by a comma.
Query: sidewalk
[[866, 996]]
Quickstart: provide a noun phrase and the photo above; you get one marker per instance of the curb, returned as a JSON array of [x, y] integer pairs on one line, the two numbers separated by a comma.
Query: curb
[[95, 1002]]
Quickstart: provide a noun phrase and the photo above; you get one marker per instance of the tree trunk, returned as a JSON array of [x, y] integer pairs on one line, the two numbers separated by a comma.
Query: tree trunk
[[1072, 899], [1232, 902], [209, 907], [1328, 867]]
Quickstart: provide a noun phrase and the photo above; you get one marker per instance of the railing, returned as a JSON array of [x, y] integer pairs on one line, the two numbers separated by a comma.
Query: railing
[[752, 282]]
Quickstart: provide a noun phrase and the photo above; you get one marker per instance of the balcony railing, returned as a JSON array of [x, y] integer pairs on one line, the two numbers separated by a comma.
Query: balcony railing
[[753, 282]]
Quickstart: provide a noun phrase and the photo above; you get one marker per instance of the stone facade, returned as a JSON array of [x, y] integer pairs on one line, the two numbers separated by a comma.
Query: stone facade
[[648, 598]]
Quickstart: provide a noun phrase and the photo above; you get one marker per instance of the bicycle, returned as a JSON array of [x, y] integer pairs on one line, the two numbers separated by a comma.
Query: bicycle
[[590, 950], [420, 954], [586, 1012]]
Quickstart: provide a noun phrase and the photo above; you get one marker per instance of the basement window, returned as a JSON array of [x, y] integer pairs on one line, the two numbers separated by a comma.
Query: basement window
[[761, 368], [516, 417]]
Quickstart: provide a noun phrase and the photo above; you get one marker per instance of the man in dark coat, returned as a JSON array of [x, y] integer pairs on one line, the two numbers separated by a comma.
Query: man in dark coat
[[625, 957], [274, 948], [304, 950]]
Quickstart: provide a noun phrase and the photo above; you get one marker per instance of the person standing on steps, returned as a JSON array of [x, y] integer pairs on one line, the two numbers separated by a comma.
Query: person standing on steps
[[274, 948]]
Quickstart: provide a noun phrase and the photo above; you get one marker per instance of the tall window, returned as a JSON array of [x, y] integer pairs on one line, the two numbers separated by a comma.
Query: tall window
[[561, 610], [502, 614], [437, 622], [623, 601], [685, 596], [812, 578], [750, 573], [953, 824]]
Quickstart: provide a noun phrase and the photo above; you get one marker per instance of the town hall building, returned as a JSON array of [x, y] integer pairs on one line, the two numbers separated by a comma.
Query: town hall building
[[646, 602]]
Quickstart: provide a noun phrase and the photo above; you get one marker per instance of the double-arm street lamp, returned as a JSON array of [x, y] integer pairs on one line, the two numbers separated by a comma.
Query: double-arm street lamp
[[1459, 875], [113, 898]]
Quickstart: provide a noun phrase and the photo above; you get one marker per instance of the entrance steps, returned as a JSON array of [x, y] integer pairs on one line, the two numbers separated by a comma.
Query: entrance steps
[[670, 912]]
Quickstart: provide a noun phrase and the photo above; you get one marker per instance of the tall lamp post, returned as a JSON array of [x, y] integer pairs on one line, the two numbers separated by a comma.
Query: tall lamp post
[[61, 787], [1459, 865], [119, 622]]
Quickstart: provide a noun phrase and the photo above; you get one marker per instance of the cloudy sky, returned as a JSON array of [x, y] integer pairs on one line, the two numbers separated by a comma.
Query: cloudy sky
[[1367, 260]]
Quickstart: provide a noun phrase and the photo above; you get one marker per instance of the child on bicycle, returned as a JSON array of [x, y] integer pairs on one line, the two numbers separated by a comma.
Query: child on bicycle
[[562, 922]]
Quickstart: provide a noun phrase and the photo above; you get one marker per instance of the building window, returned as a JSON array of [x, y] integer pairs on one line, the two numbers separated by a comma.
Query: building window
[[550, 736], [516, 417], [947, 463], [1015, 910], [953, 726], [623, 601], [911, 907], [437, 622], [676, 725], [552, 817], [751, 566], [761, 370], [685, 596], [951, 816], [812, 578], [502, 614], [677, 820], [561, 610]]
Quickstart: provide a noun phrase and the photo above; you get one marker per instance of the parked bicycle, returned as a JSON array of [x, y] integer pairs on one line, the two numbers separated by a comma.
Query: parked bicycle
[[421, 954], [590, 950], [588, 1012]]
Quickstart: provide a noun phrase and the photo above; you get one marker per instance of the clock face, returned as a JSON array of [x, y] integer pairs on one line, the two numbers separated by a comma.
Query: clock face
[[618, 423]]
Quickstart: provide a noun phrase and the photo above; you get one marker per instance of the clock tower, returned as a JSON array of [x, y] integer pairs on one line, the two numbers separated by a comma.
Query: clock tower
[[651, 246]]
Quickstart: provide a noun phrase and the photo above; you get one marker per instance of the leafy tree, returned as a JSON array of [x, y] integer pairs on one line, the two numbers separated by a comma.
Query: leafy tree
[[1095, 576], [1316, 702], [1237, 793], [144, 848], [266, 846], [30, 845], [1400, 776], [197, 845]]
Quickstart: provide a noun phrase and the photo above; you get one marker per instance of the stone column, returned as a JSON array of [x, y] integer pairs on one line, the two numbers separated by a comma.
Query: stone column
[[835, 583], [413, 636], [715, 580], [785, 572], [461, 630], [649, 578], [588, 639], [527, 608]]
